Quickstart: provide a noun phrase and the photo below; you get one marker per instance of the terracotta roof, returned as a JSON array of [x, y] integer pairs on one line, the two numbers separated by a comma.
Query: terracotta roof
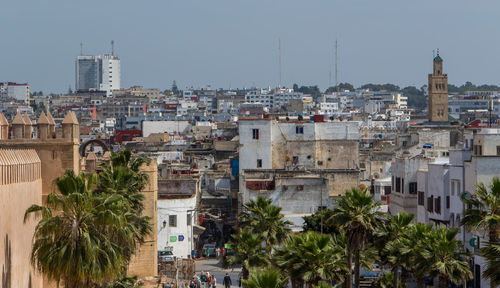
[[3, 120], [18, 120], [43, 119]]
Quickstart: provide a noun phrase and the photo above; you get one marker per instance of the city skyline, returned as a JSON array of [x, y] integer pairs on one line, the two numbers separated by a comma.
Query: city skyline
[[235, 44]]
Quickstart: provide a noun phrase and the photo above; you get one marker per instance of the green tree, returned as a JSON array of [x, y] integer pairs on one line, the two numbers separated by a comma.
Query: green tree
[[414, 246], [446, 257], [248, 252], [393, 234], [71, 240], [492, 255], [357, 215], [265, 278], [310, 257], [483, 212], [342, 87], [265, 220], [123, 177], [315, 222]]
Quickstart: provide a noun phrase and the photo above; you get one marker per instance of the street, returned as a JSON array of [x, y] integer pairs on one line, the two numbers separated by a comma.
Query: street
[[212, 266]]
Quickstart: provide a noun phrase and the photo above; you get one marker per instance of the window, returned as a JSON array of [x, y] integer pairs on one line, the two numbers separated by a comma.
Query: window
[[188, 219], [300, 187], [402, 185], [259, 163], [478, 150], [398, 184], [387, 190], [295, 159], [421, 198], [438, 205], [172, 220], [255, 133], [299, 129], [447, 202], [413, 188], [430, 203], [498, 150]]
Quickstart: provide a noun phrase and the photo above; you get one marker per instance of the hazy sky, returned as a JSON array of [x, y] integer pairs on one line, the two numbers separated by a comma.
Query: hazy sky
[[235, 42]]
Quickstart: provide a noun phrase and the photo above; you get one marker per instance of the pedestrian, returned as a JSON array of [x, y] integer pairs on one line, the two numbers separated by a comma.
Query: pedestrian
[[208, 252], [223, 251], [214, 281], [197, 282], [239, 279], [209, 280], [227, 281], [217, 252], [192, 283]]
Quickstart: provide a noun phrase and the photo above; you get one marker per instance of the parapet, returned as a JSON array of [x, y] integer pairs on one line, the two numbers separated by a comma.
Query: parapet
[[44, 129]]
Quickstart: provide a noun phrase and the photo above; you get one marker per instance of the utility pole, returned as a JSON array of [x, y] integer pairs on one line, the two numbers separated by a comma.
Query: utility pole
[[112, 47]]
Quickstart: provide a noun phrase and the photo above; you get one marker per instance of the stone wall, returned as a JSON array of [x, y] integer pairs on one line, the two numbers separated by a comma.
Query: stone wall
[[145, 262], [20, 187]]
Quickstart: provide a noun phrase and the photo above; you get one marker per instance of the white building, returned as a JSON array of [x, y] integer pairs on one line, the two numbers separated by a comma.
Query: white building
[[100, 72], [175, 221], [12, 90], [328, 108], [165, 126], [275, 100]]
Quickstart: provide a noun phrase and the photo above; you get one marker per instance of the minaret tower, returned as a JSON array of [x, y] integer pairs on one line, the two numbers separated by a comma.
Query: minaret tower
[[438, 92]]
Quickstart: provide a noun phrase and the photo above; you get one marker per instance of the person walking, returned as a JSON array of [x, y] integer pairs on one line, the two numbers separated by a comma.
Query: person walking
[[227, 281], [217, 252]]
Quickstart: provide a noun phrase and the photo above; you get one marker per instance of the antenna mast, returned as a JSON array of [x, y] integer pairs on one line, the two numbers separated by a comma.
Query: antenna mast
[[81, 48], [112, 47], [336, 68], [279, 59]]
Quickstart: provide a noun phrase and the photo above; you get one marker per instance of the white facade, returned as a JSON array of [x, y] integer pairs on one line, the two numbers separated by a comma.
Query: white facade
[[277, 100], [11, 90], [175, 225], [110, 74], [328, 108], [165, 126]]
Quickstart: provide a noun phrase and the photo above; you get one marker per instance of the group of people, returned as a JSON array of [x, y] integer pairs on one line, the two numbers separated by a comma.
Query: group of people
[[206, 280]]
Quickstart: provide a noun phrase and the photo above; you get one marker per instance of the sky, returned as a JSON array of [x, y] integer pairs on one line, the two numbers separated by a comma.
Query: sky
[[234, 43]]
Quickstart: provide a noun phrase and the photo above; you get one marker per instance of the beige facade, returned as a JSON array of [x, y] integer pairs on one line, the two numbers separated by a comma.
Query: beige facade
[[145, 261], [20, 187], [438, 93]]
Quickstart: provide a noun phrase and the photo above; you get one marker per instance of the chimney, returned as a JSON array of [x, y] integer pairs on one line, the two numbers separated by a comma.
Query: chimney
[[43, 126], [18, 126], [28, 128], [4, 128]]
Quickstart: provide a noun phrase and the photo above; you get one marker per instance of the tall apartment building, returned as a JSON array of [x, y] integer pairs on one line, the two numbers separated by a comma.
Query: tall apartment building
[[100, 72], [438, 92], [17, 91]]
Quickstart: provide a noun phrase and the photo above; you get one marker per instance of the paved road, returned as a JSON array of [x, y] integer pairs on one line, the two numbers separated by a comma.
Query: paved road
[[212, 265]]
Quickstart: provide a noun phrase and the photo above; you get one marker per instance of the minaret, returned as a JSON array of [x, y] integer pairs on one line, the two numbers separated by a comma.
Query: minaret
[[438, 92]]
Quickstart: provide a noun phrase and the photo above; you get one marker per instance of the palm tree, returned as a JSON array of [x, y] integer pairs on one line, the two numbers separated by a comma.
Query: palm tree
[[311, 257], [266, 220], [483, 212], [266, 278], [123, 177], [248, 252], [393, 234], [414, 246], [492, 255], [356, 215], [446, 257], [71, 242]]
